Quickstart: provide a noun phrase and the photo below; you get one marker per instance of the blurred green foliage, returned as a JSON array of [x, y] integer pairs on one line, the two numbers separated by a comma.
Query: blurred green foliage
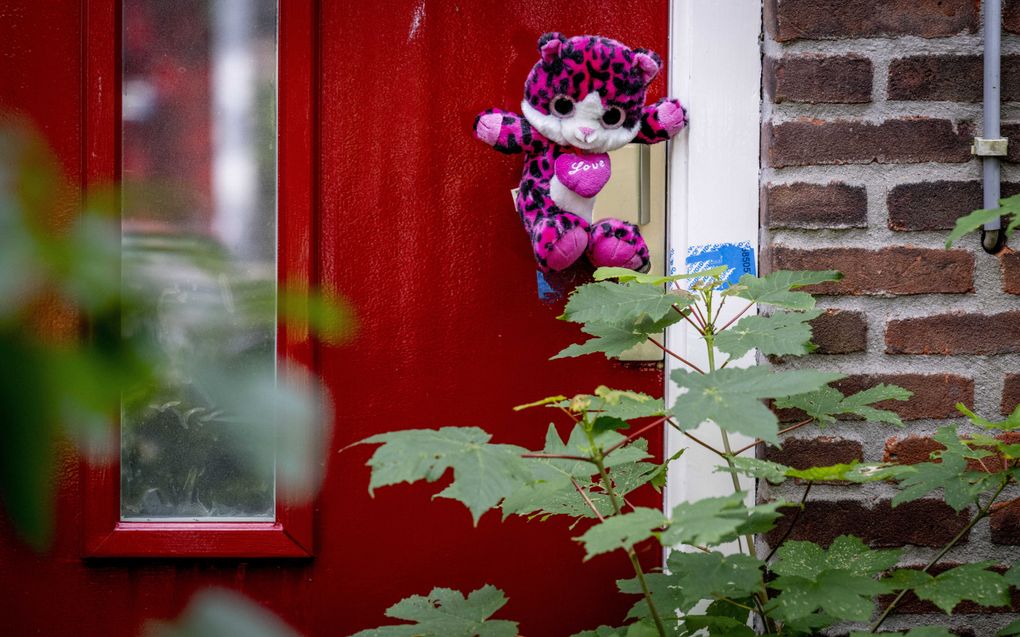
[[84, 339]]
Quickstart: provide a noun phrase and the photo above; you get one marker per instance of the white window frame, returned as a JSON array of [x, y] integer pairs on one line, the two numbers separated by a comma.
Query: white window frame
[[715, 71]]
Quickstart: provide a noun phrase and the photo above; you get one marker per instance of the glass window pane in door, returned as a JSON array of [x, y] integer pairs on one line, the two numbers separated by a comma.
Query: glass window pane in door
[[198, 164]]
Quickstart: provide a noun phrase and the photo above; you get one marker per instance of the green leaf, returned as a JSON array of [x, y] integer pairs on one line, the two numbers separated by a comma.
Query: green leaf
[[483, 473], [723, 618], [923, 631], [551, 400], [217, 612], [973, 582], [693, 577], [607, 302], [614, 403], [622, 531], [713, 521], [623, 275], [1010, 424], [28, 438], [757, 468], [602, 631], [969, 223], [781, 334], [718, 626], [839, 581], [1013, 575], [846, 553], [961, 487], [831, 592], [776, 288], [615, 338], [826, 403], [611, 340], [842, 471], [1011, 629], [552, 491], [714, 575], [732, 398], [777, 473], [446, 613], [328, 316]]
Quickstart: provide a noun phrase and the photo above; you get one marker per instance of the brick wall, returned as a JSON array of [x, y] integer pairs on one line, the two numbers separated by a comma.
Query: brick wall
[[869, 110]]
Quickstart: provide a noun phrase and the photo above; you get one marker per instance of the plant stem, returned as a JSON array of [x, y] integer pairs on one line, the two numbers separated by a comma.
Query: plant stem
[[793, 523], [676, 356], [696, 312], [634, 435], [728, 451], [781, 432], [587, 500], [761, 598], [557, 456], [607, 484], [982, 513], [687, 318], [734, 319], [674, 425]]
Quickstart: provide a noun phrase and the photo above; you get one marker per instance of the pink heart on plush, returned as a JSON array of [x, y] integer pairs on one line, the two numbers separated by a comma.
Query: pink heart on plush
[[583, 174]]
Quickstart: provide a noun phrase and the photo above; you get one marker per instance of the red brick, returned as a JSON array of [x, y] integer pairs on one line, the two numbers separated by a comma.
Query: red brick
[[840, 332], [1005, 523], [824, 451], [1011, 16], [952, 78], [817, 79], [936, 205], [892, 270], [788, 20], [915, 449], [910, 450], [948, 334], [925, 522], [1010, 394], [802, 205], [1011, 131], [806, 142], [1010, 264], [935, 395]]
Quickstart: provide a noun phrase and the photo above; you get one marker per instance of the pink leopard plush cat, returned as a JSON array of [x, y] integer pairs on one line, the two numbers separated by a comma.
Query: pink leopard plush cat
[[582, 99]]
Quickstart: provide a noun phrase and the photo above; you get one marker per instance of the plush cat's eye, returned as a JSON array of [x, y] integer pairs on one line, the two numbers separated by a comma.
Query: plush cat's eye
[[613, 117], [562, 105]]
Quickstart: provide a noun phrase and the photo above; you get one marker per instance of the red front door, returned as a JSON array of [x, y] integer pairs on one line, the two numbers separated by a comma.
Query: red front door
[[416, 227]]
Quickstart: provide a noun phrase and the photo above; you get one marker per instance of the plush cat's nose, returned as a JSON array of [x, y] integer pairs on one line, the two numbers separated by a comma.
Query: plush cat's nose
[[586, 133]]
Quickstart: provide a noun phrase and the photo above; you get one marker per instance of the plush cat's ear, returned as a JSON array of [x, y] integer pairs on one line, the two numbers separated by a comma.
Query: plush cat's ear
[[549, 45], [649, 62]]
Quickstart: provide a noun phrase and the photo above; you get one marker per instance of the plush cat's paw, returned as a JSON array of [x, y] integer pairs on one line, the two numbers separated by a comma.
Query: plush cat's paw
[[616, 243], [559, 241], [671, 115], [487, 127]]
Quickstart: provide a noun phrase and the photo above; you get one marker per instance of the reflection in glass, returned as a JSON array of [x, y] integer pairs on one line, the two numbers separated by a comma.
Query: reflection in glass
[[199, 232]]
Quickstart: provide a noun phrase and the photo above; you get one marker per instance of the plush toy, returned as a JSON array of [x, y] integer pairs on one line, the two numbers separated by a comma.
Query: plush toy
[[582, 99]]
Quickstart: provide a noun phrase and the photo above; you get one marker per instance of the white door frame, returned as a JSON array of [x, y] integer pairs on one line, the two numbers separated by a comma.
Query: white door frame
[[715, 71]]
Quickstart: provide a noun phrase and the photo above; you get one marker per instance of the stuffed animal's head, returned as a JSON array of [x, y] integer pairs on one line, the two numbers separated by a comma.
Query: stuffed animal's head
[[587, 91]]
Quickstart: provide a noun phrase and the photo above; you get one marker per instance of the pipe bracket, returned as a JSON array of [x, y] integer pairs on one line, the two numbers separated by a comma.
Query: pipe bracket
[[983, 147]]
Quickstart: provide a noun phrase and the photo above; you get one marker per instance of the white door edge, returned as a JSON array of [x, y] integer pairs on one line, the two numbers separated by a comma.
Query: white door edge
[[715, 70]]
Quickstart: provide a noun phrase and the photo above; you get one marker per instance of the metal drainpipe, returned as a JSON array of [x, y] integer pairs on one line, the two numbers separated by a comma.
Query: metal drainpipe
[[991, 146]]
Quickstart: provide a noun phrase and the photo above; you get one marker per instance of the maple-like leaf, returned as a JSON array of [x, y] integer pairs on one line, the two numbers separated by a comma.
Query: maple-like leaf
[[483, 473], [447, 613]]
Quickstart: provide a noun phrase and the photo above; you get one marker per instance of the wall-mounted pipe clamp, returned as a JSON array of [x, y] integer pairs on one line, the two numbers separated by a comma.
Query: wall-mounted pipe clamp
[[983, 147]]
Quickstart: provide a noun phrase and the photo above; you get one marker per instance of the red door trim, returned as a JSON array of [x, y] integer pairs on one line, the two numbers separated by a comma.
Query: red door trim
[[292, 533]]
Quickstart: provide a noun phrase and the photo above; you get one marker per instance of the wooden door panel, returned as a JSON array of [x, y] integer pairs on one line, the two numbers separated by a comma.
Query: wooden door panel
[[418, 229], [414, 224]]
